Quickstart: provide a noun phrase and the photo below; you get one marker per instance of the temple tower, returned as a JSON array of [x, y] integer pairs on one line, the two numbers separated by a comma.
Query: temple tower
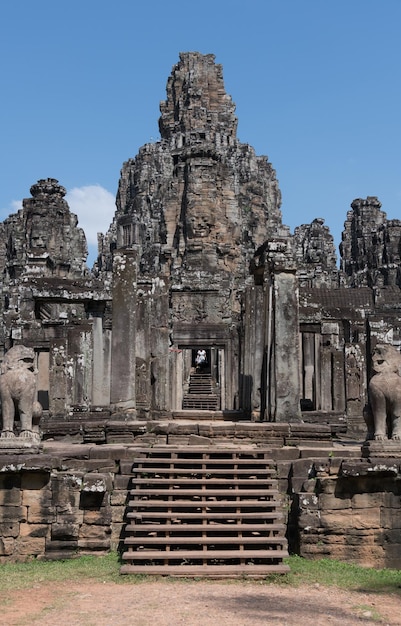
[[195, 206]]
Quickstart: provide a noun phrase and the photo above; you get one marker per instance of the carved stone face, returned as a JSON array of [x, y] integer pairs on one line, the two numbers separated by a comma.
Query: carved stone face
[[37, 239], [386, 359], [198, 227]]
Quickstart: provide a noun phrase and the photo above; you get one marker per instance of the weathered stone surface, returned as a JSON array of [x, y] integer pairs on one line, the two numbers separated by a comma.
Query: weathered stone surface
[[34, 497], [118, 497], [315, 255], [370, 253], [368, 518], [47, 230], [114, 452], [66, 486], [390, 518], [90, 531], [360, 468], [94, 545], [10, 493], [101, 516], [7, 546], [118, 513], [40, 514], [64, 531], [118, 529], [31, 545], [13, 514], [367, 500], [122, 481], [330, 501], [96, 483], [61, 546], [9, 529]]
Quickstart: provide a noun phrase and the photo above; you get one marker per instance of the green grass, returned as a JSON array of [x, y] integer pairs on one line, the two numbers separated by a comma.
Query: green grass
[[324, 572], [32, 573], [328, 573]]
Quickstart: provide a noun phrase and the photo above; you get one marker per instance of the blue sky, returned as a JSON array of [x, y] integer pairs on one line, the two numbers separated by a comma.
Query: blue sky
[[316, 84]]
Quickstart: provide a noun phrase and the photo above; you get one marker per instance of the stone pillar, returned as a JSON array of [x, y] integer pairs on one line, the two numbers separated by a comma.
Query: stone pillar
[[177, 377], [338, 381], [101, 359], [79, 370], [143, 347], [43, 382], [58, 371], [326, 379], [286, 345], [123, 357], [159, 347], [308, 347], [222, 370], [318, 364], [253, 352]]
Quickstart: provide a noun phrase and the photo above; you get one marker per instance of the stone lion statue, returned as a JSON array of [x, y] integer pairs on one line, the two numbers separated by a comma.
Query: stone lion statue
[[384, 417], [18, 393]]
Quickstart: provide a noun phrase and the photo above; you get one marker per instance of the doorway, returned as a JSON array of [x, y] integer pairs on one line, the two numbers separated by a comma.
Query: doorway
[[202, 378]]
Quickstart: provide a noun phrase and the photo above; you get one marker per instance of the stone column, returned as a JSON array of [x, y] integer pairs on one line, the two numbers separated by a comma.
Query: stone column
[[58, 399], [286, 345], [123, 356], [308, 345], [101, 358], [253, 350], [159, 347]]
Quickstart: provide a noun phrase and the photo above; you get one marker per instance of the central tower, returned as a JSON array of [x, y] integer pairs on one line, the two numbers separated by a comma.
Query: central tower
[[194, 208]]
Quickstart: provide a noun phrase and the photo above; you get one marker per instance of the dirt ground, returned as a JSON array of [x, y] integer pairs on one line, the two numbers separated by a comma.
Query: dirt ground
[[179, 603]]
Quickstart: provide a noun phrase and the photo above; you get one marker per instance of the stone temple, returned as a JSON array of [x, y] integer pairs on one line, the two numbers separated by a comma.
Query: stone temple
[[197, 258]]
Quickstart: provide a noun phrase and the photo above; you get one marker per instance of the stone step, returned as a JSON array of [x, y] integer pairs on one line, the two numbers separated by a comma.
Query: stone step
[[208, 570], [199, 402], [198, 503], [207, 482], [226, 515], [184, 513], [219, 527], [176, 555], [228, 473], [200, 396], [138, 542]]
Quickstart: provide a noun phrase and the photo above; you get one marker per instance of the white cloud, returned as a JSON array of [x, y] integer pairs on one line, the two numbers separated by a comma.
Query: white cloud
[[14, 207], [95, 207]]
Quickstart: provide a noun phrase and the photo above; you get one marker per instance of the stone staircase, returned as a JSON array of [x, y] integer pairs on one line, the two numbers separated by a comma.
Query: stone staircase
[[204, 513], [200, 396]]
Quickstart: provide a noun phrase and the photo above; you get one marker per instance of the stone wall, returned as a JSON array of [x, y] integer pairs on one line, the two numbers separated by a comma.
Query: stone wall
[[64, 503], [348, 510], [71, 500]]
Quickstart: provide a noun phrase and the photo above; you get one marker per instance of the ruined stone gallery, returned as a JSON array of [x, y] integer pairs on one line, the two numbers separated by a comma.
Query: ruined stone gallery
[[204, 321]]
